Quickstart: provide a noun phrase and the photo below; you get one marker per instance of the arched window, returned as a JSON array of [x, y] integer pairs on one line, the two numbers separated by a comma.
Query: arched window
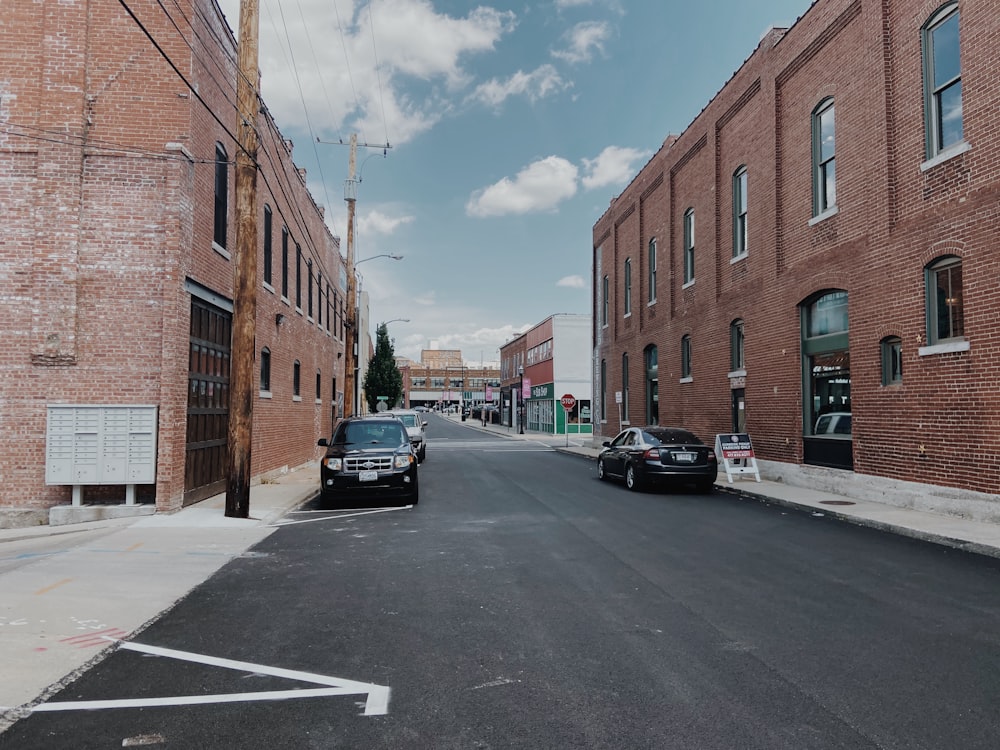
[[265, 370], [892, 360], [628, 286], [740, 232], [689, 246], [945, 302], [651, 264], [826, 376]]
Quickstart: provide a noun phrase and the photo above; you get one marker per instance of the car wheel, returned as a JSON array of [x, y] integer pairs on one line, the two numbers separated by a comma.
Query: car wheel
[[422, 456], [601, 473], [704, 486], [632, 479], [415, 497]]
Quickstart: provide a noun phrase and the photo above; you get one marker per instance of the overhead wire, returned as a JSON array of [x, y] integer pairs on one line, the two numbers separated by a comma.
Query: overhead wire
[[378, 71]]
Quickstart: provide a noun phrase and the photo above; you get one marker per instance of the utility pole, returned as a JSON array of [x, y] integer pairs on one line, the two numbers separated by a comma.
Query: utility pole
[[351, 375], [241, 378]]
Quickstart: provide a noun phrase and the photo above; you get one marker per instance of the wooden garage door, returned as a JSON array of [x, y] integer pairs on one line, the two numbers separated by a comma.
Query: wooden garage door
[[208, 402]]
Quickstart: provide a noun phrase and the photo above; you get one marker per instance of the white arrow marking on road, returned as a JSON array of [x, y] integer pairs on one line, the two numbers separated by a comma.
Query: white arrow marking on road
[[376, 705]]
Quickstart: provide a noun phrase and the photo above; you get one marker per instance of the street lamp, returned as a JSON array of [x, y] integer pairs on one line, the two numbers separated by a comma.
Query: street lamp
[[520, 399], [380, 255]]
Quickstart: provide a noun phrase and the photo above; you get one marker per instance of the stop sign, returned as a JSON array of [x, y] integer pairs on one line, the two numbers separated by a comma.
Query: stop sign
[[568, 401]]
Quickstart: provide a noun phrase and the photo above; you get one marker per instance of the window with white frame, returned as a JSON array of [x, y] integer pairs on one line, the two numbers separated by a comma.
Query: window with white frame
[[689, 246], [651, 273], [942, 80], [686, 356], [824, 158], [628, 286], [740, 232]]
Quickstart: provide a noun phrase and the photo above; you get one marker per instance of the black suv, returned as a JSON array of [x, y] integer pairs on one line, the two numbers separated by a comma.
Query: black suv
[[369, 457]]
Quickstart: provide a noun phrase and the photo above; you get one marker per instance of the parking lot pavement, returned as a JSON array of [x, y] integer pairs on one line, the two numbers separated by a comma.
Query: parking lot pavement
[[67, 593]]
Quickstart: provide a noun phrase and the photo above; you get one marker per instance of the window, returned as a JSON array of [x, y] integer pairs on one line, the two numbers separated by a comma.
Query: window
[[418, 382], [604, 301], [309, 288], [824, 158], [296, 379], [685, 356], [945, 309], [689, 246], [652, 270], [740, 212], [624, 411], [736, 361], [265, 370], [221, 195], [319, 299], [284, 262], [267, 245], [892, 360], [628, 286], [298, 276], [319, 385], [942, 80]]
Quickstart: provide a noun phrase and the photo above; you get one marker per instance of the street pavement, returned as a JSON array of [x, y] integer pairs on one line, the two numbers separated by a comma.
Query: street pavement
[[68, 594]]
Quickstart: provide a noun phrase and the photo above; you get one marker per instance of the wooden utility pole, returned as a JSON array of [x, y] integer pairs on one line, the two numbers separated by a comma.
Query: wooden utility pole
[[352, 343], [241, 378]]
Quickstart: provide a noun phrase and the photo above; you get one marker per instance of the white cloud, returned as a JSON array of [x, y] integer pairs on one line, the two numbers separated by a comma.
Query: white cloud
[[540, 186], [613, 166], [537, 84], [352, 61], [379, 223], [573, 282], [583, 41]]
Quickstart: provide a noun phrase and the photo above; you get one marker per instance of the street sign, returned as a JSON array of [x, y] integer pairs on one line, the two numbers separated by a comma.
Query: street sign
[[568, 402]]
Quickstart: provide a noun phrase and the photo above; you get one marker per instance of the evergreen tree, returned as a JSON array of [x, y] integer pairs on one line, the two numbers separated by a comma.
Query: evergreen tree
[[383, 377]]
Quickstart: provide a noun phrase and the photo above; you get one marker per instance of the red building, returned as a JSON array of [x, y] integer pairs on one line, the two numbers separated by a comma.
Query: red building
[[814, 259], [116, 192]]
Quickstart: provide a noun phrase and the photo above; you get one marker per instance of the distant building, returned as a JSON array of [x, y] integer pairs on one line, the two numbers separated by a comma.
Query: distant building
[[551, 360], [118, 229], [814, 260], [443, 380]]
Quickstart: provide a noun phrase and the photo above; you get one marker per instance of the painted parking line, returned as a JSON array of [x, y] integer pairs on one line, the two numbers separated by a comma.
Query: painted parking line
[[376, 704], [341, 515]]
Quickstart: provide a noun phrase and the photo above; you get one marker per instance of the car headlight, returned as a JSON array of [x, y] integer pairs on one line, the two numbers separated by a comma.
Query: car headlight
[[333, 464], [403, 460]]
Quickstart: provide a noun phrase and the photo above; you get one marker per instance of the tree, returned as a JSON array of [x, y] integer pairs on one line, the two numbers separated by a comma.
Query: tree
[[383, 377]]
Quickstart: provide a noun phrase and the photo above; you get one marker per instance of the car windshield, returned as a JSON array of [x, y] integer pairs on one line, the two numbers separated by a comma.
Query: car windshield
[[670, 436], [370, 433]]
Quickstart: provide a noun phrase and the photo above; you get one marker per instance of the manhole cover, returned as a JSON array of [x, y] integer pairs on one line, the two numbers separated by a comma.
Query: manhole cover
[[836, 502]]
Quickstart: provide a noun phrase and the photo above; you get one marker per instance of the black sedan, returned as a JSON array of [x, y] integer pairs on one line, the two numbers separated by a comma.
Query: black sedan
[[650, 455], [371, 458]]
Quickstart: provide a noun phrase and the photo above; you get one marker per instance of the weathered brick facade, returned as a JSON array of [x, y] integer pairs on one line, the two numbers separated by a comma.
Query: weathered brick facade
[[107, 193], [898, 208]]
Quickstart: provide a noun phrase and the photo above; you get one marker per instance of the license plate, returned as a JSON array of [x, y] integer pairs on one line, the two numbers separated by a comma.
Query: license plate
[[367, 476], [685, 458]]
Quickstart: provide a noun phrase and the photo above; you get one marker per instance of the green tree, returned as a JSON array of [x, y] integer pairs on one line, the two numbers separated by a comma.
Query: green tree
[[383, 377]]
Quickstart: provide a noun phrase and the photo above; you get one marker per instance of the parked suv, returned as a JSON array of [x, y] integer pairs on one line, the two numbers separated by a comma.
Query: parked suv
[[369, 457], [416, 427]]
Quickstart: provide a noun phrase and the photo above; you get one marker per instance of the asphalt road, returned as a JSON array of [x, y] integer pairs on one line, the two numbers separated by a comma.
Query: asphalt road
[[525, 604]]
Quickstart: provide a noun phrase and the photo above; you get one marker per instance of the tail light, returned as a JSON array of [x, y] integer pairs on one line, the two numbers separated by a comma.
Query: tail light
[[653, 454]]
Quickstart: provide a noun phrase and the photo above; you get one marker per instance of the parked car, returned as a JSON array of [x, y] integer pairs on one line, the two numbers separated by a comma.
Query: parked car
[[836, 423], [369, 457], [644, 456], [416, 427]]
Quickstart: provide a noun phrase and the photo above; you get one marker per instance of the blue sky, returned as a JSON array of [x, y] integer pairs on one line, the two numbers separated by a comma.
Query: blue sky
[[512, 126]]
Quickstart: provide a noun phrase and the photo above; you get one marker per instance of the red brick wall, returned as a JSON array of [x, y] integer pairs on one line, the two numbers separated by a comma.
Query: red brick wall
[[106, 189], [893, 219]]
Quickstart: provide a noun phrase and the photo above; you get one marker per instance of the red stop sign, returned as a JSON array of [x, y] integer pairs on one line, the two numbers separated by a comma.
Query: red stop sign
[[568, 401]]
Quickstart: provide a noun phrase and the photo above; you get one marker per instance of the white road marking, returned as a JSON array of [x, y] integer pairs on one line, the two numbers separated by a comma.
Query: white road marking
[[341, 515], [376, 704]]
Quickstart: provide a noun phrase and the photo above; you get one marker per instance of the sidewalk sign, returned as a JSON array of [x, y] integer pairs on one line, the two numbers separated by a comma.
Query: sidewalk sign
[[736, 448]]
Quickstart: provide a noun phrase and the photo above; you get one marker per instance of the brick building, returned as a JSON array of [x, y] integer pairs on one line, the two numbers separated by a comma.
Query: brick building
[[443, 379], [814, 259], [116, 268]]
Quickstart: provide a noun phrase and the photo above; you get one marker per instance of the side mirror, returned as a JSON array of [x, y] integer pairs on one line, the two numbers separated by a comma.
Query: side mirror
[[323, 442], [424, 423], [606, 443]]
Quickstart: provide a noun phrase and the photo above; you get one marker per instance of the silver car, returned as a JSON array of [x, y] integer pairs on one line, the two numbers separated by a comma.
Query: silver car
[[416, 428]]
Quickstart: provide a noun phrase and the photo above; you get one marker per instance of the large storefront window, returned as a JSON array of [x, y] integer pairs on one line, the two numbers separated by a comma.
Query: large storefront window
[[827, 382]]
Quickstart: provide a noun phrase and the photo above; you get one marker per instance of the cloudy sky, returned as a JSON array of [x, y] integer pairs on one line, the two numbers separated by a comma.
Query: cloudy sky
[[511, 125]]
